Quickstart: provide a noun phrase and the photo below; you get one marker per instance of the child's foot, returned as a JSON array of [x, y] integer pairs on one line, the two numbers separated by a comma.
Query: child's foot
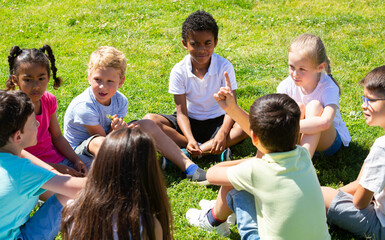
[[199, 219], [198, 177], [226, 155], [209, 204]]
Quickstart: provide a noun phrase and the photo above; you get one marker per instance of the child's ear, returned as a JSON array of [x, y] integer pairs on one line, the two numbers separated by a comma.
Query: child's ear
[[184, 44], [16, 137], [122, 81], [321, 66], [254, 138], [15, 80], [215, 43]]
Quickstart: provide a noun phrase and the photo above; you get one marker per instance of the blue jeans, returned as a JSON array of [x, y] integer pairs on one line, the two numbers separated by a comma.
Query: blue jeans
[[45, 223], [243, 205]]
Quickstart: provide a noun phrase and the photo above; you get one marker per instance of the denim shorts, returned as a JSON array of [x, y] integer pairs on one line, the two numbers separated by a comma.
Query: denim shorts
[[242, 203], [333, 149], [45, 223], [345, 215]]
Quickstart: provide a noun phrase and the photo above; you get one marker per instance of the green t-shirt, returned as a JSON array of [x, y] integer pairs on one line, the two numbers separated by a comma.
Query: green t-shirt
[[287, 194]]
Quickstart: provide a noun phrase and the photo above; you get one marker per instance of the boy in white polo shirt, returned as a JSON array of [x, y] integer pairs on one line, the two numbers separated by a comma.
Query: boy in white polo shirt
[[199, 124]]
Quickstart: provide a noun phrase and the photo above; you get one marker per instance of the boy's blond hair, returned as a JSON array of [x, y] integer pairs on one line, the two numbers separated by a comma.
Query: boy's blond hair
[[106, 57]]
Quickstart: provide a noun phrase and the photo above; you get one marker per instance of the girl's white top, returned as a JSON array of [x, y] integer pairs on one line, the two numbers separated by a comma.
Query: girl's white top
[[326, 92]]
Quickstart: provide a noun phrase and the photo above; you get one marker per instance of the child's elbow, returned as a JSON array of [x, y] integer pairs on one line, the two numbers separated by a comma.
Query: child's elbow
[[325, 124]]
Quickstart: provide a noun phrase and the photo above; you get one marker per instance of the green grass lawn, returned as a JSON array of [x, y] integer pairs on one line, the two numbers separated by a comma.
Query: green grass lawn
[[253, 35]]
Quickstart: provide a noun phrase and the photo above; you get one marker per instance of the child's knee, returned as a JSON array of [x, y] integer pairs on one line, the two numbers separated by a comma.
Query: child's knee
[[94, 145], [314, 108], [150, 116]]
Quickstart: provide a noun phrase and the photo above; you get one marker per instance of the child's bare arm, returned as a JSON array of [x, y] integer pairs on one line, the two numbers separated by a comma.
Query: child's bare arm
[[227, 101], [95, 129], [38, 162], [361, 196], [65, 185], [63, 146], [352, 187], [217, 174], [184, 124], [314, 125]]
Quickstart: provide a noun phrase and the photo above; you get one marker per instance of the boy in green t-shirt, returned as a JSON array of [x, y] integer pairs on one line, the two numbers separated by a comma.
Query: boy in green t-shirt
[[280, 190]]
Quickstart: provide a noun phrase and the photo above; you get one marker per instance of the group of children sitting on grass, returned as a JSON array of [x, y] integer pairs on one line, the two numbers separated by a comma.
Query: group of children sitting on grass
[[102, 179]]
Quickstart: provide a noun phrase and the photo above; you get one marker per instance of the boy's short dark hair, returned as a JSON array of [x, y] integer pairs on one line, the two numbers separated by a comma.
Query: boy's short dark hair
[[375, 80], [15, 108], [274, 119], [199, 21]]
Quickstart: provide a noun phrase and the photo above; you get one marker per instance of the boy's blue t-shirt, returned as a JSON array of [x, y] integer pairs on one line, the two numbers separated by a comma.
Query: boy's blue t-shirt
[[20, 187], [84, 109]]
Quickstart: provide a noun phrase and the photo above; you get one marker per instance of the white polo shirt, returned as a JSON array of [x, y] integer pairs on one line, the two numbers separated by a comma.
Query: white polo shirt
[[201, 104]]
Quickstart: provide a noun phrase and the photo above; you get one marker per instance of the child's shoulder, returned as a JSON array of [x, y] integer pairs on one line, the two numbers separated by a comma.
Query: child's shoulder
[[379, 142]]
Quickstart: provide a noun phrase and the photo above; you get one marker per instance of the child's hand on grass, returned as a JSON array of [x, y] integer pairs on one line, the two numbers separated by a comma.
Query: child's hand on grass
[[224, 96]]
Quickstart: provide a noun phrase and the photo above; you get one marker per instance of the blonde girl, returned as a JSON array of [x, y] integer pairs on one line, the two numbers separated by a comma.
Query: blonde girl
[[125, 196], [30, 70], [313, 87]]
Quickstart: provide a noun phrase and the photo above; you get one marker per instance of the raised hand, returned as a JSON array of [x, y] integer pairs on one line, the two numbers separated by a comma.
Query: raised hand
[[225, 96]]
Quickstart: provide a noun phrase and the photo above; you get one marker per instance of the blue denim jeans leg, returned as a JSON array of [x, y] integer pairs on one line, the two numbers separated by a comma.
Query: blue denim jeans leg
[[243, 205], [45, 223]]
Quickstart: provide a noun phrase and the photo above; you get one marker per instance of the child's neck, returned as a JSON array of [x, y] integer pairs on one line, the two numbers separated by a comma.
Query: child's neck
[[37, 106], [312, 86], [9, 148], [200, 70]]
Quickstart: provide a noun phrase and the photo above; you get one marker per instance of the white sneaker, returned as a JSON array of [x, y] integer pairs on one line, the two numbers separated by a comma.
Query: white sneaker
[[199, 219], [209, 204], [232, 219]]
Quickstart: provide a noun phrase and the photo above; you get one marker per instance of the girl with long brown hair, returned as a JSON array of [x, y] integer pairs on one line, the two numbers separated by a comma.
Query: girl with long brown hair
[[125, 195]]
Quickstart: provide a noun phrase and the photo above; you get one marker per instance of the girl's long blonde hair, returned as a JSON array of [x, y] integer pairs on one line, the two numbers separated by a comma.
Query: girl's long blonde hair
[[313, 48]]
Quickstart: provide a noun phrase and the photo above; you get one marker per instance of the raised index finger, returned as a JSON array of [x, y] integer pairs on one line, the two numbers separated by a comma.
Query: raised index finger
[[228, 84]]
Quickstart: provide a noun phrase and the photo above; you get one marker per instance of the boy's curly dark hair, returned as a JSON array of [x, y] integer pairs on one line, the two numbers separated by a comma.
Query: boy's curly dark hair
[[199, 21]]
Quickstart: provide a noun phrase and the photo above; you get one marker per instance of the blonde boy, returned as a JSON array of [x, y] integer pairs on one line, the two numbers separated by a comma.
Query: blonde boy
[[86, 121]]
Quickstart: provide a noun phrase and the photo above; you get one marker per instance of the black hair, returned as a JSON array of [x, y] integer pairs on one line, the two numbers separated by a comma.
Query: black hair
[[19, 56], [15, 108], [375, 80], [199, 21], [274, 119]]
